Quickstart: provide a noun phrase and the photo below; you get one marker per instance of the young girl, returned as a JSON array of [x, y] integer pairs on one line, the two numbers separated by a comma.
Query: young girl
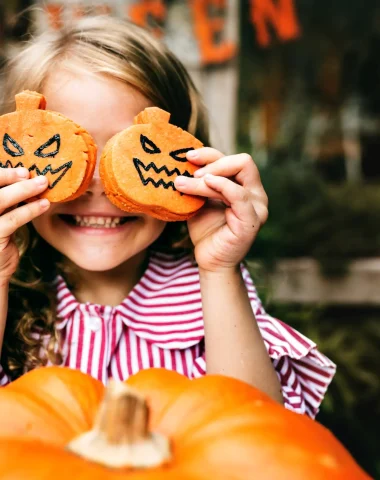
[[86, 285]]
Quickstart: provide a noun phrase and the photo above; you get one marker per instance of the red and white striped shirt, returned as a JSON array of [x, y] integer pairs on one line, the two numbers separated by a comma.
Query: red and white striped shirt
[[160, 324]]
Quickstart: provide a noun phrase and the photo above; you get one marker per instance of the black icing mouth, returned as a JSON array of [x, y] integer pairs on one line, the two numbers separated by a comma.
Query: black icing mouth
[[15, 150], [64, 168], [143, 171], [53, 171]]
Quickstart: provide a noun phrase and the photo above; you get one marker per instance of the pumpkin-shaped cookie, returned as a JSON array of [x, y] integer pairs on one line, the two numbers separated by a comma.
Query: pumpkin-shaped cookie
[[47, 143], [139, 165]]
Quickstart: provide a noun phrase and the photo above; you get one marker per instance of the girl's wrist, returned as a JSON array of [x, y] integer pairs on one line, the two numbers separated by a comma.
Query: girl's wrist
[[4, 283], [218, 274]]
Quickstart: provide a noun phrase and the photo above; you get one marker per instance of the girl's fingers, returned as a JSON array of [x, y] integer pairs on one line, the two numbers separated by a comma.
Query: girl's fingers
[[235, 194], [203, 155], [228, 166], [240, 166], [13, 175], [260, 204], [248, 208], [12, 195], [16, 218], [232, 194], [241, 218], [195, 186]]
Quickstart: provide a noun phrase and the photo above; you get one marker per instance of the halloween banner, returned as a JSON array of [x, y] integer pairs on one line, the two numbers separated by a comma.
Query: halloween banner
[[195, 30]]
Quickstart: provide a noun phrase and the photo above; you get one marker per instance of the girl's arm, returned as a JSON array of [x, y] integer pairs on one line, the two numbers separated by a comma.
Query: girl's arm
[[222, 232], [233, 341], [3, 311], [4, 288], [15, 188]]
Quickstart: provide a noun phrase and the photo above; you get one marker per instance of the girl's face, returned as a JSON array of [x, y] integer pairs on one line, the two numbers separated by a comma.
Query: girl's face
[[91, 231]]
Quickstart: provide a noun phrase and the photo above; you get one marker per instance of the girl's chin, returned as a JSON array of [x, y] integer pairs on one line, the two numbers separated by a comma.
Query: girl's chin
[[102, 254], [97, 264], [103, 247]]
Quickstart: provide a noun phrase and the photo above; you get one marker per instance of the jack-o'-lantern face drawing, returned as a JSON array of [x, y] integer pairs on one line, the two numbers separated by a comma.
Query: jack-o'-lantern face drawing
[[159, 175], [47, 143], [139, 165]]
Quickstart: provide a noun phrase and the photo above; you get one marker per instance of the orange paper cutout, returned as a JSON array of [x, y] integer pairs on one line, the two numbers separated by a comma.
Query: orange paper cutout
[[103, 9], [281, 15], [54, 12], [78, 12], [54, 15], [81, 10], [207, 27], [140, 12]]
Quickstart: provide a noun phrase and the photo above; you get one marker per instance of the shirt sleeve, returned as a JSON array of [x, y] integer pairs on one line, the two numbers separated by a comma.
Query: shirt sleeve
[[303, 371], [4, 379]]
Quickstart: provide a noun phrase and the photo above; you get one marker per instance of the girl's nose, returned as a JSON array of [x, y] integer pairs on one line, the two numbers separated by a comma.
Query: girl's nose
[[96, 187]]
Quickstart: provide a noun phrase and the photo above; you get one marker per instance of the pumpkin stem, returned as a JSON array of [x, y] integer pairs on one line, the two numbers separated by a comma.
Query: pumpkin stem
[[152, 115], [120, 436], [28, 100]]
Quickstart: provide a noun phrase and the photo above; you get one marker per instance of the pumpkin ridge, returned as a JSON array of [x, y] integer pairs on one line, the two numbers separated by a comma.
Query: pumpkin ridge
[[51, 388], [39, 421]]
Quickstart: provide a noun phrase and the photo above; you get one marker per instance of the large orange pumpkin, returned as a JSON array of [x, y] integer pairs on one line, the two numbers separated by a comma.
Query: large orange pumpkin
[[139, 165], [54, 424], [47, 143]]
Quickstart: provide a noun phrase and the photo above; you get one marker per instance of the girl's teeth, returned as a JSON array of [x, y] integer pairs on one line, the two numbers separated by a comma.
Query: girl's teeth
[[97, 222]]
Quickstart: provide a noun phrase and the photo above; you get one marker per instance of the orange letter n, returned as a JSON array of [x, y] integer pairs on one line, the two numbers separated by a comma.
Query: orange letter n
[[281, 14]]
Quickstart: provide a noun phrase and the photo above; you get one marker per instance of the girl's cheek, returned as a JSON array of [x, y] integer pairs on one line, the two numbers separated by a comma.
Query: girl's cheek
[[45, 220]]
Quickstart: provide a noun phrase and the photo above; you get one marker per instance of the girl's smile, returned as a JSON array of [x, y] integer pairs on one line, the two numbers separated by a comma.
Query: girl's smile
[[97, 223]]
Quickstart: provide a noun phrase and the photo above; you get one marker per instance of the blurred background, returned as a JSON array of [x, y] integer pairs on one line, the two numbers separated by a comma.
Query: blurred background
[[296, 83]]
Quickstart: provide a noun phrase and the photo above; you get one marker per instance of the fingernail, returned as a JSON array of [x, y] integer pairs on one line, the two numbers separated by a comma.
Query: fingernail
[[180, 181], [22, 172], [192, 154], [44, 203], [199, 173], [40, 180]]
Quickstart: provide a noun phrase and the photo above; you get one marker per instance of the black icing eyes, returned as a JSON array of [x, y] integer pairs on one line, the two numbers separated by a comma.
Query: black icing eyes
[[12, 148], [150, 147], [180, 155], [54, 140]]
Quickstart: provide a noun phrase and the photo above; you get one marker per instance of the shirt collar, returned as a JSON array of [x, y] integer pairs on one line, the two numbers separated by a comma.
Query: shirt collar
[[163, 308]]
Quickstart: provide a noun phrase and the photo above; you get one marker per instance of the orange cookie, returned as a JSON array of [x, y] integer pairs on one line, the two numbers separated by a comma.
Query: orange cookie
[[47, 143], [139, 165]]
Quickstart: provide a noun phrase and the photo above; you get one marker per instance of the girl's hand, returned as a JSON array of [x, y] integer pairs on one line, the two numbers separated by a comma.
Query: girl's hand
[[225, 228], [16, 187]]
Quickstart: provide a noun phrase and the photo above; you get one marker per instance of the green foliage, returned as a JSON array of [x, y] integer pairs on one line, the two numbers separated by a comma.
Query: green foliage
[[351, 341], [331, 223]]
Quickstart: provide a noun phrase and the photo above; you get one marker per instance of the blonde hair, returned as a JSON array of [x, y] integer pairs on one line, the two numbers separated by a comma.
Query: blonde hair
[[108, 46]]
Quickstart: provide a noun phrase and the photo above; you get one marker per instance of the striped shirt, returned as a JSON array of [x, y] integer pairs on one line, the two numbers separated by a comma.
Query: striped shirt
[[160, 324]]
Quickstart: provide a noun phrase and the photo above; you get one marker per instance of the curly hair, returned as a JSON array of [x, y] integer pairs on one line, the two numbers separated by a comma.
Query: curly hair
[[122, 50]]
